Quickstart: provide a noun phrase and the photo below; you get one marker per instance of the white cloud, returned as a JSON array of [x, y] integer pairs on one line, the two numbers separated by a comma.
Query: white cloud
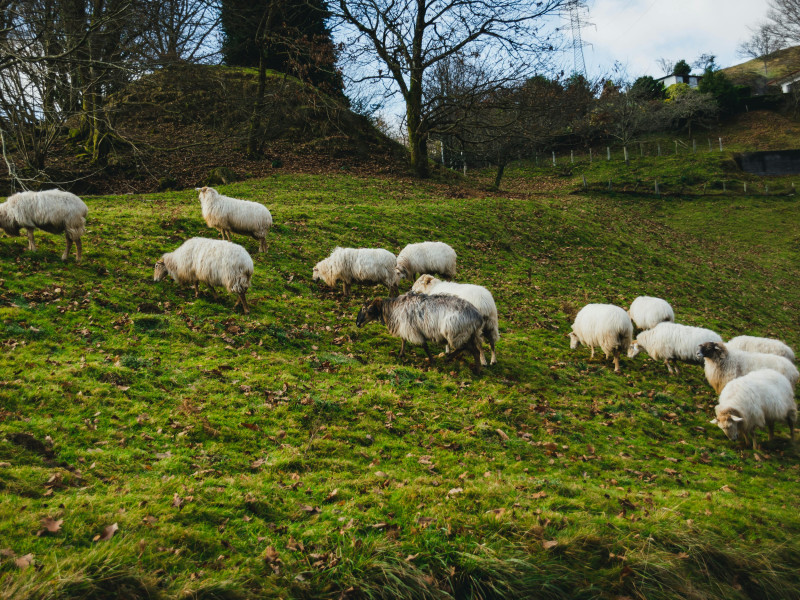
[[638, 32]]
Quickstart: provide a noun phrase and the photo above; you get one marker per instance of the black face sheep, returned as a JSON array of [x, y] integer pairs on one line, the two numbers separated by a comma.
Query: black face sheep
[[53, 211], [360, 265], [213, 262], [230, 215], [723, 364], [426, 257], [671, 342], [419, 319], [646, 312], [764, 345], [603, 325], [477, 295], [758, 399]]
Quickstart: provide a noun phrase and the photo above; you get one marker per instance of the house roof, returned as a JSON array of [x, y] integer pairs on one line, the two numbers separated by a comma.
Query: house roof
[[788, 78]]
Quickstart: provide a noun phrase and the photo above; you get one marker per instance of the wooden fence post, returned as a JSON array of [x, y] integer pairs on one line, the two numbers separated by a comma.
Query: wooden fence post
[[720, 144], [608, 153], [585, 185], [554, 158], [659, 148], [590, 156]]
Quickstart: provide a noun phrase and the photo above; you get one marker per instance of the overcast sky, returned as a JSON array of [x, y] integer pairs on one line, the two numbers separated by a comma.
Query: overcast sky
[[638, 32]]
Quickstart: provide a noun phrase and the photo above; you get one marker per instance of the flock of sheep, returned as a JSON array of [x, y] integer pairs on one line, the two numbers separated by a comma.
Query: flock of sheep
[[754, 377]]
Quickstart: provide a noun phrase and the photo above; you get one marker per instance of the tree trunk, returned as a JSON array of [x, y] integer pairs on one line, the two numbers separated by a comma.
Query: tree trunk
[[253, 146], [501, 167], [417, 131]]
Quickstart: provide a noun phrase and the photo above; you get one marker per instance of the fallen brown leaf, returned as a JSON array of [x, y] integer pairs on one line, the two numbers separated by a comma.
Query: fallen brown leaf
[[108, 533], [548, 544], [50, 525], [23, 562]]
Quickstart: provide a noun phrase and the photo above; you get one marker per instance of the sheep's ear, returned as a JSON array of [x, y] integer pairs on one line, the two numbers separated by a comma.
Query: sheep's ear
[[713, 421], [198, 189], [737, 419]]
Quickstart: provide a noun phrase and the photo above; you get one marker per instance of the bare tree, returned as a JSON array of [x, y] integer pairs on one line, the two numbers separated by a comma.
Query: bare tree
[[762, 43], [784, 21], [398, 41], [182, 31], [666, 65]]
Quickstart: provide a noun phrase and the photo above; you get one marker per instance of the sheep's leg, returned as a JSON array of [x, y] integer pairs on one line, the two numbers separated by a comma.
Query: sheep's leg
[[427, 351], [243, 300], [213, 291], [65, 256], [616, 361], [196, 289], [480, 359], [345, 288], [771, 427], [262, 244], [482, 355], [31, 242], [755, 445], [392, 290], [592, 355], [402, 348], [78, 250], [494, 356], [791, 427]]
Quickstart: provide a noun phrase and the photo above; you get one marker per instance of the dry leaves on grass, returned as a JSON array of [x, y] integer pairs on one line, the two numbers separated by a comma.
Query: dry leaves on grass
[[50, 525], [23, 562], [549, 544], [108, 533]]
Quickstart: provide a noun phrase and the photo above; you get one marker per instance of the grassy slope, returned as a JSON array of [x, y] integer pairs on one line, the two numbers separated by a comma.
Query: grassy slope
[[781, 64], [289, 453]]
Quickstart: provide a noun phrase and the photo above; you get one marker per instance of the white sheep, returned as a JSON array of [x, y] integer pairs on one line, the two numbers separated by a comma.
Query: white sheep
[[603, 325], [646, 312], [750, 343], [426, 257], [758, 399], [360, 265], [672, 342], [723, 365], [419, 319], [213, 262], [477, 295], [230, 215], [53, 211]]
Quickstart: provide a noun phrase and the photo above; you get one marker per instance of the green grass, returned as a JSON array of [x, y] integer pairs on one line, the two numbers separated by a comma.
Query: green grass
[[289, 454]]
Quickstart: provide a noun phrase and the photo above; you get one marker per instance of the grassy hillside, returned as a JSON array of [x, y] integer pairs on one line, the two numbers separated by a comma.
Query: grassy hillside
[[154, 445], [779, 64]]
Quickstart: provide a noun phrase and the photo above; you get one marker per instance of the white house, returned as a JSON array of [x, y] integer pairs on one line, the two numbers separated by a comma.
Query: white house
[[787, 82], [692, 80]]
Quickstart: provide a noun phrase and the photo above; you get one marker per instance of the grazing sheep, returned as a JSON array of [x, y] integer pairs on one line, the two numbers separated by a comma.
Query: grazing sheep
[[426, 257], [477, 295], [53, 211], [362, 265], [419, 319], [723, 365], [213, 262], [758, 399], [646, 312], [672, 342], [603, 325], [750, 343], [229, 215]]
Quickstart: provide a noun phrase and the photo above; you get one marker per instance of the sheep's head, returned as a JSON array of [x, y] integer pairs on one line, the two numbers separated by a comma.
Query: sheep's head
[[7, 222], [424, 284], [322, 270], [712, 350], [160, 271], [371, 311], [730, 421], [634, 349], [401, 272], [206, 193], [574, 342]]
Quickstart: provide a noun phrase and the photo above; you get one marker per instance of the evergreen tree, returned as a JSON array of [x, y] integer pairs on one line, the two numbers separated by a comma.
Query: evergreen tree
[[291, 34]]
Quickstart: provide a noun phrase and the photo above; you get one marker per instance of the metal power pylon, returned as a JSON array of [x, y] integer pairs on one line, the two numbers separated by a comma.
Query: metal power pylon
[[577, 12]]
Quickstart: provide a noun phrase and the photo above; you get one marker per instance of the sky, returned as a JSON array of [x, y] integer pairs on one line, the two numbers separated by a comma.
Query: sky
[[638, 32]]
